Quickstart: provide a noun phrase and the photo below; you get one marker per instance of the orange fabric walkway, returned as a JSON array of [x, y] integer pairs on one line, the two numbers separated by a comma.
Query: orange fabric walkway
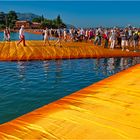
[[36, 51], [109, 109]]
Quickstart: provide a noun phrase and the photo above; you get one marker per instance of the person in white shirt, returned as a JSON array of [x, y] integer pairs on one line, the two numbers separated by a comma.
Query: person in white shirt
[[71, 32], [59, 36], [46, 37], [113, 38], [21, 36], [65, 35], [7, 34]]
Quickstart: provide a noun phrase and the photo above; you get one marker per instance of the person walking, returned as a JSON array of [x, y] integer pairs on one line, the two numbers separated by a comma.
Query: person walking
[[106, 38], [7, 34], [46, 37], [135, 40], [97, 40], [65, 35], [124, 42], [58, 36], [21, 36], [113, 39]]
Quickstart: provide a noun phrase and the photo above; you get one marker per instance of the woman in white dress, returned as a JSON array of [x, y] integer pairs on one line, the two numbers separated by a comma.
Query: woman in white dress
[[7, 34]]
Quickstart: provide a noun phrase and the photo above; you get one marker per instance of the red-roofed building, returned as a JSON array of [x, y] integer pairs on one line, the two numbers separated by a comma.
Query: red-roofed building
[[35, 25], [27, 24]]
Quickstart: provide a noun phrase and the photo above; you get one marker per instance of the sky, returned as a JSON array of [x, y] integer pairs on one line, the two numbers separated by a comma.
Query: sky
[[81, 13]]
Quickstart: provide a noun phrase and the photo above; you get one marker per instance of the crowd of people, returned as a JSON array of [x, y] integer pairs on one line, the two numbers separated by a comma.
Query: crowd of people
[[123, 38]]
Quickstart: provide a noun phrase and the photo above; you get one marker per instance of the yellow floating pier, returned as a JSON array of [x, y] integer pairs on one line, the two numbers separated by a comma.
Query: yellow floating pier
[[36, 51], [109, 109]]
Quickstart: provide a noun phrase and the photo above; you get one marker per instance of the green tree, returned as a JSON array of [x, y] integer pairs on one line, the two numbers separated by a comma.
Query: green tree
[[2, 17], [42, 18], [37, 20], [58, 19], [11, 18], [47, 23], [2, 26], [59, 23], [56, 23]]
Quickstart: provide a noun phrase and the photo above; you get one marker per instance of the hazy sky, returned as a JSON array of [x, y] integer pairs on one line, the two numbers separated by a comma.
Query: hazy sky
[[81, 13]]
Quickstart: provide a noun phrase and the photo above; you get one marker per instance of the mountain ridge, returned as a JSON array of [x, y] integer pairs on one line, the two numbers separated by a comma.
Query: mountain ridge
[[27, 16]]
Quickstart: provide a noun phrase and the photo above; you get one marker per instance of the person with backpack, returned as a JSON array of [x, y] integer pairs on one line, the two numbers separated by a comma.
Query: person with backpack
[[135, 40], [97, 40], [124, 40], [106, 38], [119, 39]]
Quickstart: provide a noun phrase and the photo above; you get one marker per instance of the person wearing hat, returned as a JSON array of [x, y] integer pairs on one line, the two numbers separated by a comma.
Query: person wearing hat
[[21, 36]]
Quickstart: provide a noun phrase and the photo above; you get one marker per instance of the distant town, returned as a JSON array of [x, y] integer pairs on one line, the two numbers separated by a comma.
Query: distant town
[[15, 20]]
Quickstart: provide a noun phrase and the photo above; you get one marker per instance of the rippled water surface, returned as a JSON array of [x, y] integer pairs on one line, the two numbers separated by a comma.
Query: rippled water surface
[[26, 86]]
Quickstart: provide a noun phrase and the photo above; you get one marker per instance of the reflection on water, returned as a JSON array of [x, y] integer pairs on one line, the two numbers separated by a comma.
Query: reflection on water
[[21, 68], [46, 67], [111, 65], [58, 72], [26, 86]]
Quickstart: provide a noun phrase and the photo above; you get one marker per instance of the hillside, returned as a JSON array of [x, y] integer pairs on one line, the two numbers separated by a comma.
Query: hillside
[[27, 16], [30, 16]]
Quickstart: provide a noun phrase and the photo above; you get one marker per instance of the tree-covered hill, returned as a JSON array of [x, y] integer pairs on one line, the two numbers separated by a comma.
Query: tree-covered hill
[[9, 19]]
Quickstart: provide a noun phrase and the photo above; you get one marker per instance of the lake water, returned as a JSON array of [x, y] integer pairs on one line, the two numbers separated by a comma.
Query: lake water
[[26, 86], [28, 36]]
